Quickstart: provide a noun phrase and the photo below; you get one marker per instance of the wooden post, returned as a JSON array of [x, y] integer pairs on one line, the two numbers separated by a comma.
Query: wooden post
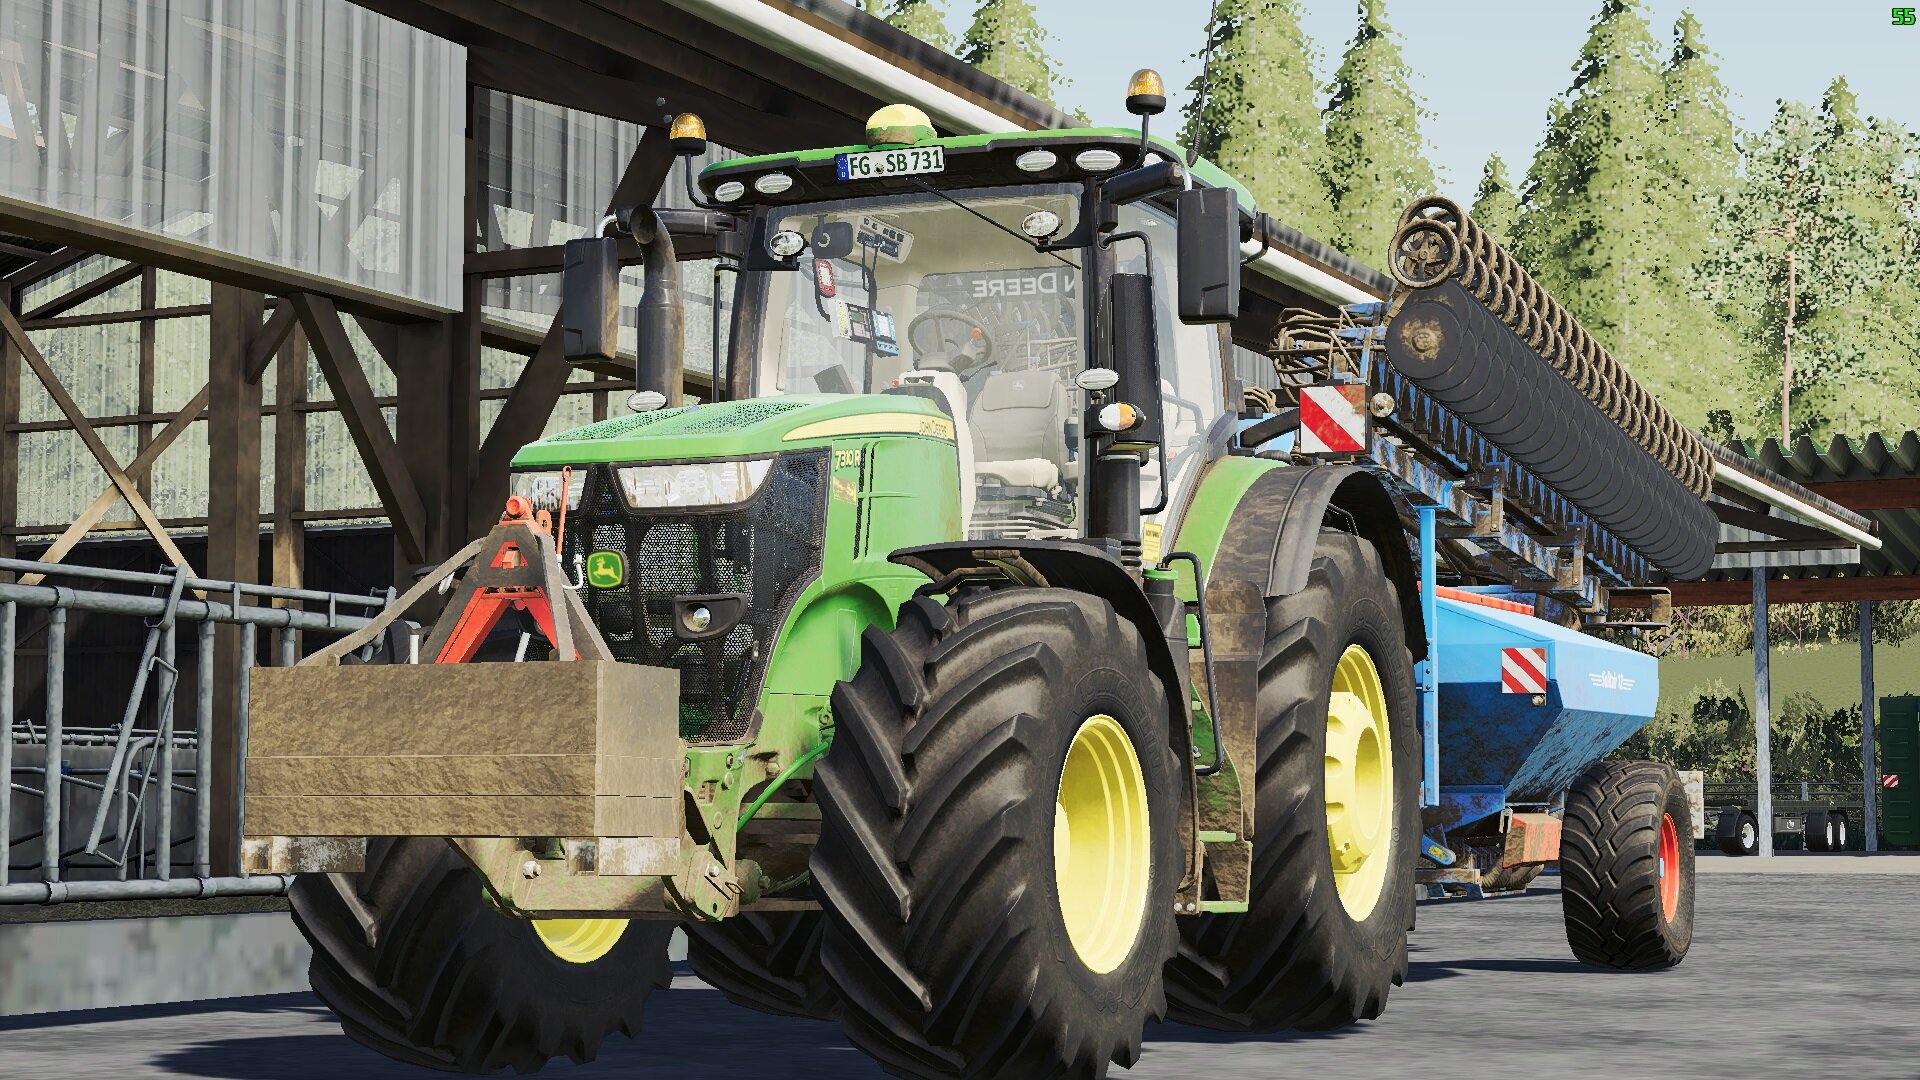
[[9, 438], [1762, 716], [1869, 765], [290, 462], [233, 533]]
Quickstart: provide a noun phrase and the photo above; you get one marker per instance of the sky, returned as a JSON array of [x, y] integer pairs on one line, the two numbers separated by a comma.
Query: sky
[[1488, 68]]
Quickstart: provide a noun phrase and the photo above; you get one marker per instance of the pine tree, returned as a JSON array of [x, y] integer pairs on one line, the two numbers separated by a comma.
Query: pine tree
[[924, 19], [1698, 162], [1820, 279], [1373, 165], [1495, 206], [1587, 229], [1252, 110], [1007, 42]]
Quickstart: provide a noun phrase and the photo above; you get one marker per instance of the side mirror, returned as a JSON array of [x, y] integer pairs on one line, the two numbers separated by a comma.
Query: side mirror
[[1209, 254], [590, 299]]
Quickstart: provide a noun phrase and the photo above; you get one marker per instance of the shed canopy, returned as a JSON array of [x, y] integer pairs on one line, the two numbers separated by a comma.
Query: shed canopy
[[1876, 478]]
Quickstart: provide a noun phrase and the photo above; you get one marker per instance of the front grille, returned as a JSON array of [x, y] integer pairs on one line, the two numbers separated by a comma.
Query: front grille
[[767, 548]]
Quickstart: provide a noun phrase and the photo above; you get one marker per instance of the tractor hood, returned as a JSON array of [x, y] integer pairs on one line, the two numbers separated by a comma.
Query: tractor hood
[[725, 429]]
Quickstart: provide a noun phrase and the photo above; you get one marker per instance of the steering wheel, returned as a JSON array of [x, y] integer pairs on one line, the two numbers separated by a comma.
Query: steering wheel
[[944, 335]]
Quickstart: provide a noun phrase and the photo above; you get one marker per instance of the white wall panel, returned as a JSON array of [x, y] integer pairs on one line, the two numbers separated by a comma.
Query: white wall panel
[[308, 133]]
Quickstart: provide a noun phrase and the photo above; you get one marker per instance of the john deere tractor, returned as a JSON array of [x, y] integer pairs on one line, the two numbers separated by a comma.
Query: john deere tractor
[[959, 672]]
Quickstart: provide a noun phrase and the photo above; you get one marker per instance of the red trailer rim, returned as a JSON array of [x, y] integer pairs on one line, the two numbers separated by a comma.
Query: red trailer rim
[[1669, 867]]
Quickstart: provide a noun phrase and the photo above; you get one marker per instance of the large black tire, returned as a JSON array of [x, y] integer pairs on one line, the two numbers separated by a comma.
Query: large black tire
[[1296, 957], [765, 961], [1614, 877], [936, 864], [418, 966], [1737, 833]]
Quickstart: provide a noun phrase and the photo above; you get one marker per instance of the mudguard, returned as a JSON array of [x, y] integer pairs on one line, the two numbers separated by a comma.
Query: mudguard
[[1269, 538]]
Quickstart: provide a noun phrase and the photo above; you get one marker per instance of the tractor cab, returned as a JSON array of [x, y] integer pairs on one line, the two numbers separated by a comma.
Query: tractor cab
[[1035, 287]]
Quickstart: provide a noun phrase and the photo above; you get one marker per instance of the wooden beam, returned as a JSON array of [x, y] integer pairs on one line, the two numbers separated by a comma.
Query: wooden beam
[[1892, 493], [549, 259], [75, 416], [289, 461], [47, 267], [1741, 518], [73, 298], [165, 252], [1752, 547], [266, 344], [9, 439], [333, 350], [1795, 590], [89, 518], [181, 311]]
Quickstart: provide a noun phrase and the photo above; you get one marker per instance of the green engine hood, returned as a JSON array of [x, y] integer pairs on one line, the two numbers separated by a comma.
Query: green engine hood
[[726, 429]]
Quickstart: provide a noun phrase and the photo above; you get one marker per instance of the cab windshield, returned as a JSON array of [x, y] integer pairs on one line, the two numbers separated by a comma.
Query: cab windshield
[[897, 285], [925, 296]]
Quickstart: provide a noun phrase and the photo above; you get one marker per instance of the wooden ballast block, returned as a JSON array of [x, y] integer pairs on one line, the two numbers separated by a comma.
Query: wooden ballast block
[[542, 748]]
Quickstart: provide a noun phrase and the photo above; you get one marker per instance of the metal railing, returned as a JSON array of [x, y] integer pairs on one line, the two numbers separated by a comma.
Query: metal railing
[[102, 811]]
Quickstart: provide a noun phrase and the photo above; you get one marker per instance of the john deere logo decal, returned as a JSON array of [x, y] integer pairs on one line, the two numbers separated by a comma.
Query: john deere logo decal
[[606, 569]]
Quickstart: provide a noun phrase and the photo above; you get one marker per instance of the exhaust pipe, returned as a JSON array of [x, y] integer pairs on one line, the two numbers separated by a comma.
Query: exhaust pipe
[[590, 302]]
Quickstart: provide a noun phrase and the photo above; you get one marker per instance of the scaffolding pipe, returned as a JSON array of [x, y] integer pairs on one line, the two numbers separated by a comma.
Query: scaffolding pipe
[[198, 888]]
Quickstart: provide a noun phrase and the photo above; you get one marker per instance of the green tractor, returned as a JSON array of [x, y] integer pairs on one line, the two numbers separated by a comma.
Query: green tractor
[[978, 685]]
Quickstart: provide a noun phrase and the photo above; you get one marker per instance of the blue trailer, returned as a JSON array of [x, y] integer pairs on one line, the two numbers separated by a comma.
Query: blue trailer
[[1524, 707], [1547, 498]]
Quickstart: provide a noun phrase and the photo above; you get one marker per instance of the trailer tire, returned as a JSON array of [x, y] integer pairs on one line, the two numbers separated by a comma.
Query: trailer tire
[[950, 786], [767, 961], [1297, 957], [1736, 832], [1818, 833], [418, 966], [1839, 820], [1626, 874]]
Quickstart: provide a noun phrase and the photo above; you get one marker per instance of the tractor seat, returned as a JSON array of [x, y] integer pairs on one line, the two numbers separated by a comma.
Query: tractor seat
[[1019, 422]]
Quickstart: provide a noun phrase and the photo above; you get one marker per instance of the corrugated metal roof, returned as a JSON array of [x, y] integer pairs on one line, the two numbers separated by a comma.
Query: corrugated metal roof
[[1877, 476]]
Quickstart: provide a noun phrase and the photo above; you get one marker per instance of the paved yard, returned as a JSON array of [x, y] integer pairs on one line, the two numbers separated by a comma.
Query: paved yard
[[1794, 973]]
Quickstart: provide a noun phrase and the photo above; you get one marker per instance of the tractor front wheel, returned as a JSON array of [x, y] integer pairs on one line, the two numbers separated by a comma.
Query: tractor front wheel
[[1626, 866], [998, 855], [418, 965]]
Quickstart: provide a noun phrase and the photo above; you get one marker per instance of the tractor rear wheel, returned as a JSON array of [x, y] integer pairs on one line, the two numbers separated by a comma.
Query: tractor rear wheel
[[998, 855], [418, 965], [1626, 866], [1324, 938], [766, 961]]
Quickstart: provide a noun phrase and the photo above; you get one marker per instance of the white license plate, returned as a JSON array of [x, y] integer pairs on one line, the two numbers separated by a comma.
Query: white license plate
[[907, 161]]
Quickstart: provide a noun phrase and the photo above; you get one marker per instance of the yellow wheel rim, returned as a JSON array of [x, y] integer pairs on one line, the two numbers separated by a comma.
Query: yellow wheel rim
[[1102, 857], [579, 941], [1359, 782]]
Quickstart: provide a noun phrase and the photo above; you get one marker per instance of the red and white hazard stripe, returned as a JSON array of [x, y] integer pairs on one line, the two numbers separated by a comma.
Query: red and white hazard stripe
[[1333, 419], [1523, 671], [1890, 781]]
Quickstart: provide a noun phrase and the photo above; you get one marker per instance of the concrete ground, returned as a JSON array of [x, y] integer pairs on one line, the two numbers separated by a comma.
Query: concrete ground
[[1792, 974]]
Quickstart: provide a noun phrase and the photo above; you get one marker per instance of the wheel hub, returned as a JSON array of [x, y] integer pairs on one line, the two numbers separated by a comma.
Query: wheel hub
[[579, 941], [1669, 867], [1359, 782], [1102, 855]]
